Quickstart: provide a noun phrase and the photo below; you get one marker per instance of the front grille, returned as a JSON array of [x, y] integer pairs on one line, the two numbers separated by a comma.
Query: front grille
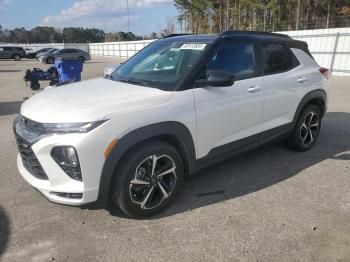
[[30, 162]]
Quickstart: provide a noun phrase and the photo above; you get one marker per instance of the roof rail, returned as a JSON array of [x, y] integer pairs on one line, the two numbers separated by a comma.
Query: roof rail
[[232, 32], [172, 35]]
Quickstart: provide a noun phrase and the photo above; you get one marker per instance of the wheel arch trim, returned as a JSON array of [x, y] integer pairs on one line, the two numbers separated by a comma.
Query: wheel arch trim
[[313, 95], [174, 129]]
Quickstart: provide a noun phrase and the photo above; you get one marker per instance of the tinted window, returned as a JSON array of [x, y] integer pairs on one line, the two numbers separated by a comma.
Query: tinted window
[[19, 48], [236, 58], [8, 48], [276, 58]]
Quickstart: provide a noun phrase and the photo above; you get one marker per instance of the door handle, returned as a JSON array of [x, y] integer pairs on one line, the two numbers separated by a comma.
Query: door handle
[[253, 89], [302, 80]]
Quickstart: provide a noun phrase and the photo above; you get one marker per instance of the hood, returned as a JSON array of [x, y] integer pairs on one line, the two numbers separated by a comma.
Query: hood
[[90, 100]]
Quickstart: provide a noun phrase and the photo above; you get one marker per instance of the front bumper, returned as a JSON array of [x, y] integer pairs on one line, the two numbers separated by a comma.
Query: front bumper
[[56, 185], [49, 189]]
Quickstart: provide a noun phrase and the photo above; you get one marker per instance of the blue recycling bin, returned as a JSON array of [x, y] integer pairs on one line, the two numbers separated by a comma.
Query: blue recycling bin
[[69, 70]]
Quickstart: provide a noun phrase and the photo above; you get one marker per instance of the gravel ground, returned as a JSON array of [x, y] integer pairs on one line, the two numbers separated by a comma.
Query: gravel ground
[[271, 204]]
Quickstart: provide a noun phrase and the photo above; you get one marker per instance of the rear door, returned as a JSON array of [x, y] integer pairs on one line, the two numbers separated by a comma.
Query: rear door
[[232, 113], [7, 52], [281, 80], [74, 53], [64, 53]]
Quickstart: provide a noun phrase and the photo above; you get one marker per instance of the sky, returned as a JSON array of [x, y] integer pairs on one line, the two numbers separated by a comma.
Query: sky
[[145, 16]]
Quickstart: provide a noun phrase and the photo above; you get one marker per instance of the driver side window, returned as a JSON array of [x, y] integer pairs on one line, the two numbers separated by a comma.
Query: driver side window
[[235, 58]]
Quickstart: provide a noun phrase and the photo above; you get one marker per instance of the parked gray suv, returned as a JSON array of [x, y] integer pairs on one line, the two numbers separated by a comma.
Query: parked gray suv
[[12, 52], [65, 53]]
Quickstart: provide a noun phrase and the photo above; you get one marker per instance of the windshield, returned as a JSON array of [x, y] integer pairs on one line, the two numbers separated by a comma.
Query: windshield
[[161, 65]]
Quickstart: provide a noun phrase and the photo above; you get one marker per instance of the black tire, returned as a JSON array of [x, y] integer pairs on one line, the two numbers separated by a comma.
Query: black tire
[[35, 85], [50, 60], [306, 130], [130, 196], [17, 57]]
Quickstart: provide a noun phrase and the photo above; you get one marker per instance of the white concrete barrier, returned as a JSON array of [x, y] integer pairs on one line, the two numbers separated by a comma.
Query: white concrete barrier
[[329, 47]]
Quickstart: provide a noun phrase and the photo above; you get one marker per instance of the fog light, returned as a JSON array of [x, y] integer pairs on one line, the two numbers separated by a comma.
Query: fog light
[[67, 159], [68, 195]]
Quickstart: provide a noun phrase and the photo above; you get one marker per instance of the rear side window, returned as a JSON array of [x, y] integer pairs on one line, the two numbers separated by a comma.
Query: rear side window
[[276, 58], [19, 48], [236, 58], [8, 48]]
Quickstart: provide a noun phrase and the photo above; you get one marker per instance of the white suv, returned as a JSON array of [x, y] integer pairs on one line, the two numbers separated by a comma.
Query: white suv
[[180, 104]]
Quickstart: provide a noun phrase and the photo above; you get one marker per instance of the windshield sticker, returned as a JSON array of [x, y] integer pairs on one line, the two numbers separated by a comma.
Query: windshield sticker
[[194, 46]]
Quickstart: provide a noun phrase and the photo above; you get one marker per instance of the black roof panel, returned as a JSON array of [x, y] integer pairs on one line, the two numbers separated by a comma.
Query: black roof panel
[[233, 35]]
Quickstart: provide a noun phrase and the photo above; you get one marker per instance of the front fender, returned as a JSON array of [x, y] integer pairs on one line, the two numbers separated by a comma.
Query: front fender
[[174, 129]]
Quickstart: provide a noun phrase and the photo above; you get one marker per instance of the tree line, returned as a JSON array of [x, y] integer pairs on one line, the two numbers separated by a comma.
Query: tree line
[[212, 16], [43, 34]]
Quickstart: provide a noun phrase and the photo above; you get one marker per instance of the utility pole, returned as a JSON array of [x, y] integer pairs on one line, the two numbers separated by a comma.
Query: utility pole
[[328, 10], [297, 16], [127, 8]]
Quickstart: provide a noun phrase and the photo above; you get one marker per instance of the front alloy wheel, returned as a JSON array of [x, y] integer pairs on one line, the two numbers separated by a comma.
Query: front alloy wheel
[[148, 179], [154, 181]]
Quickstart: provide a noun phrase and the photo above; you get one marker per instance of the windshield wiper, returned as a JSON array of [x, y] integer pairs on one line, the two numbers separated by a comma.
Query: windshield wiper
[[132, 81]]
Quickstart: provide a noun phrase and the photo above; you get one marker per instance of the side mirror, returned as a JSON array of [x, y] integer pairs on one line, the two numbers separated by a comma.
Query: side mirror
[[216, 78]]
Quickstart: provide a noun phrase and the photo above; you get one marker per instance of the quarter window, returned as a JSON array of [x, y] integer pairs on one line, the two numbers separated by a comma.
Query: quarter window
[[235, 58], [276, 58]]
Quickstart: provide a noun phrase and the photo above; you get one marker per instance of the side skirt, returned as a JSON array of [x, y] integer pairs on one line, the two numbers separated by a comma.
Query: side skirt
[[229, 150]]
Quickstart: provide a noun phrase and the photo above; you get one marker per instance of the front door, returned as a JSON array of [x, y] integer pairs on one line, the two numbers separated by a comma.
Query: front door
[[230, 114]]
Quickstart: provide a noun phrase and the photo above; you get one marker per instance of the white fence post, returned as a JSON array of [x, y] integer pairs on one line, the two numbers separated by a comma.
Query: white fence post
[[334, 51]]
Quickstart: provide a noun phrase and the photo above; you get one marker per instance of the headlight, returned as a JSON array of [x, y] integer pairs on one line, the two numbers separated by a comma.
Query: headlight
[[45, 128]]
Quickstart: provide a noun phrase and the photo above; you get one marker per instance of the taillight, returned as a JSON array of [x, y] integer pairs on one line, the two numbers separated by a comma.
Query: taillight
[[326, 72]]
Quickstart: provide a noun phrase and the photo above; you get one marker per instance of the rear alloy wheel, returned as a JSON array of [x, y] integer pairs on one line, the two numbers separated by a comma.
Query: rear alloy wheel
[[306, 130], [50, 60], [17, 57], [149, 179], [309, 128]]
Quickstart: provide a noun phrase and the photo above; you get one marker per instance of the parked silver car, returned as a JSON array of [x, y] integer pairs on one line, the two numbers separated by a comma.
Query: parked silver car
[[52, 50], [65, 53]]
